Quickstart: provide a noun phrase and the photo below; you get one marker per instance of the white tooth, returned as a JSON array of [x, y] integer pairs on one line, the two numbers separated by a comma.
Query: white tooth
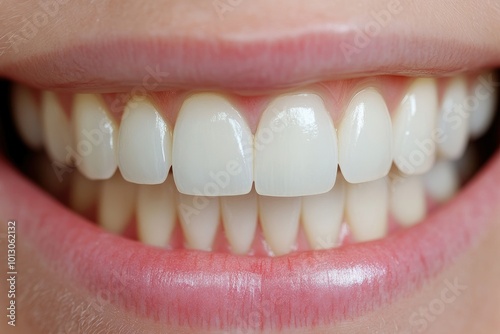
[[145, 139], [156, 213], [295, 148], [56, 129], [442, 181], [279, 219], [27, 116], [212, 148], [484, 97], [365, 138], [116, 203], [239, 217], [366, 209], [413, 125], [407, 199], [452, 123], [95, 137], [83, 193], [199, 217], [322, 216]]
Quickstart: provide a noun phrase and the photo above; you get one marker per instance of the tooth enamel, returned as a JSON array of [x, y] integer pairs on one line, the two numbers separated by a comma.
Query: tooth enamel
[[83, 194], [322, 216], [199, 218], [116, 204], [482, 116], [279, 219], [407, 199], [239, 218], [145, 139], [366, 209], [413, 125], [212, 148], [56, 129], [27, 116], [365, 138], [442, 181], [452, 120], [95, 137], [295, 148], [156, 213]]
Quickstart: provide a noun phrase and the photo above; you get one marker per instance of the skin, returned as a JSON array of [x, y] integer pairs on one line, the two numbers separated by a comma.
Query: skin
[[475, 311]]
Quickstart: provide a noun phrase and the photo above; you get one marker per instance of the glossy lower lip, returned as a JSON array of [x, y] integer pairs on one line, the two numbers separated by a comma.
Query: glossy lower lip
[[221, 291]]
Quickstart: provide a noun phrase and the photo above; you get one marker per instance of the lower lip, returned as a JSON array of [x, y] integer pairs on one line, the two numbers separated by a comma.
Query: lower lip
[[220, 291]]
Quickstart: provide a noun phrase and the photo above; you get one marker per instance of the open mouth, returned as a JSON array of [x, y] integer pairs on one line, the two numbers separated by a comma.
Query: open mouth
[[227, 203]]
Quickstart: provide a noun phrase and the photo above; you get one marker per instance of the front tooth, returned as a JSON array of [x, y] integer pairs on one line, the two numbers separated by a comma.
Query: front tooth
[[95, 137], [156, 213], [239, 217], [442, 181], [199, 217], [26, 116], [295, 148], [212, 148], [481, 117], [413, 125], [145, 139], [366, 209], [279, 219], [407, 199], [452, 122], [116, 203], [83, 194], [365, 138], [322, 216], [56, 128]]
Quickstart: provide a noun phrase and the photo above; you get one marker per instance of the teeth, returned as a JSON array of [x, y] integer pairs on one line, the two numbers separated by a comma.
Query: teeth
[[452, 121], [322, 216], [145, 144], [199, 218], [407, 199], [366, 209], [56, 129], [212, 151], [365, 138], [156, 213], [481, 117], [95, 137], [413, 124], [27, 116], [116, 204], [279, 219], [295, 148], [442, 181], [83, 194], [239, 217]]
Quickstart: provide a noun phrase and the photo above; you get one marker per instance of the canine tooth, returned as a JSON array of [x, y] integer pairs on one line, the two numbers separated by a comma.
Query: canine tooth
[[212, 151], [413, 125], [442, 181], [407, 199], [199, 217], [26, 116], [365, 138], [56, 128], [366, 209], [322, 216], [116, 203], [144, 153], [452, 120], [279, 219], [295, 148], [83, 193], [156, 213], [481, 117], [95, 137], [239, 218]]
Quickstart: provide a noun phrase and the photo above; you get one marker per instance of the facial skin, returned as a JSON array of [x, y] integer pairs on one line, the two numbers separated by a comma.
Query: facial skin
[[48, 304]]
